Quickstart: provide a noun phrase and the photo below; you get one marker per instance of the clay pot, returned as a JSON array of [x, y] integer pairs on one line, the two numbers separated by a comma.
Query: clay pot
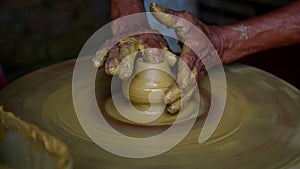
[[148, 78]]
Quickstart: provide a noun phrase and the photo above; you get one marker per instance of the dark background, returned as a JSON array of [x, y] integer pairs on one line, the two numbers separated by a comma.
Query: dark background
[[37, 33]]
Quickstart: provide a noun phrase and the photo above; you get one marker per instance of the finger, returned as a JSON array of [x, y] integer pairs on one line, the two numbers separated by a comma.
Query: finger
[[127, 53], [176, 106], [158, 51], [126, 66], [184, 67], [195, 75], [111, 65], [127, 46], [186, 77], [184, 74], [172, 19], [160, 14], [100, 58], [200, 70], [169, 56], [173, 94], [150, 45], [152, 55], [102, 53]]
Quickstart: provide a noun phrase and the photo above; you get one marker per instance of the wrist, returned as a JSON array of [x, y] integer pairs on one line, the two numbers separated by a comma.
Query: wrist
[[122, 8], [216, 37], [232, 40], [131, 22], [119, 28]]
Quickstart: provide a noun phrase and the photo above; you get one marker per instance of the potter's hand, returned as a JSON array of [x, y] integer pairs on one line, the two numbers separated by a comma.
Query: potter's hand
[[188, 78], [120, 59]]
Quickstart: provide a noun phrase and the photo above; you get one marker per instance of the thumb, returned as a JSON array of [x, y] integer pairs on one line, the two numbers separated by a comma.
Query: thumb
[[170, 17], [164, 15], [181, 21]]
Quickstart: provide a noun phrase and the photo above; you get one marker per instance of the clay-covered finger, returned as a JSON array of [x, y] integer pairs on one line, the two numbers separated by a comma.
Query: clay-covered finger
[[100, 58], [160, 15], [185, 67], [172, 19], [157, 55], [199, 70], [176, 106], [126, 66], [195, 62], [183, 75], [169, 56], [186, 79], [189, 89], [128, 49], [188, 56], [127, 46], [173, 94], [151, 44], [111, 65], [152, 55]]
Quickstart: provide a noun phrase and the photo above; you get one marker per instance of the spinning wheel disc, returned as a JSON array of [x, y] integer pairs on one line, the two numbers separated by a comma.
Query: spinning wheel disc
[[260, 127]]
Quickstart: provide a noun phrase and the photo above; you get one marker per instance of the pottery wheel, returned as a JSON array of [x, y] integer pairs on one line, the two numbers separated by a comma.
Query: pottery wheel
[[260, 127]]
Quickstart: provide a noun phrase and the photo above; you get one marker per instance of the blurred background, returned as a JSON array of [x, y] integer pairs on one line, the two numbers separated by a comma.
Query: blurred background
[[37, 33]]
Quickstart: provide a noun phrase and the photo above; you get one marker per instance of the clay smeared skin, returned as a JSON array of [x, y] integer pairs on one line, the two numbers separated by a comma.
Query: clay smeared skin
[[188, 78], [275, 29], [117, 61]]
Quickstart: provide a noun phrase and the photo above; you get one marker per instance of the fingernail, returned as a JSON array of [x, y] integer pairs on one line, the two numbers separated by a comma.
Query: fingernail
[[173, 94], [100, 58], [172, 109], [154, 7], [169, 98], [124, 70], [111, 70], [96, 62]]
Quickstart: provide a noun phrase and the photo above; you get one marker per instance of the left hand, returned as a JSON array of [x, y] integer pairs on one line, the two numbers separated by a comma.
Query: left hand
[[120, 58]]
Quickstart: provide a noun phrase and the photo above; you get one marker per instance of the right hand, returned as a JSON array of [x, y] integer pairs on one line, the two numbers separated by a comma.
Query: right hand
[[188, 78]]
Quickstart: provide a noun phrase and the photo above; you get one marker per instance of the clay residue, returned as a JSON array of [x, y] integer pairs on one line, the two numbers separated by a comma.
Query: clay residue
[[53, 146]]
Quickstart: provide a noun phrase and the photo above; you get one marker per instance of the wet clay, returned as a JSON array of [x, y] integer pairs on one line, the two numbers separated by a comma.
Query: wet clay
[[148, 78], [34, 135]]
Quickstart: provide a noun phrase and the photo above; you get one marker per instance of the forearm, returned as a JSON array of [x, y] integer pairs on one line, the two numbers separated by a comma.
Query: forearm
[[276, 29], [121, 8]]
